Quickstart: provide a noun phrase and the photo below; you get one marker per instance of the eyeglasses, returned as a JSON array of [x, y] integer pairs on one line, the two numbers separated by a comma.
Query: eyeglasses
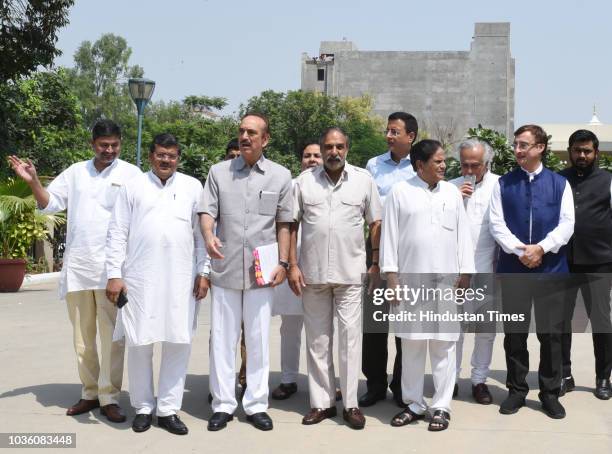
[[392, 132], [523, 146], [164, 156]]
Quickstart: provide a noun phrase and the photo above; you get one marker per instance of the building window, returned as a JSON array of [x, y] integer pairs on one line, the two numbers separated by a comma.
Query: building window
[[321, 74]]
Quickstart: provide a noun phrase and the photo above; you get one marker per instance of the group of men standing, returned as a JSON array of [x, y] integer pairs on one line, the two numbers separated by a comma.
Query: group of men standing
[[160, 241]]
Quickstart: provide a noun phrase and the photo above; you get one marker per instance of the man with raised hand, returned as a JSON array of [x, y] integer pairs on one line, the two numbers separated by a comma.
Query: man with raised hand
[[88, 190]]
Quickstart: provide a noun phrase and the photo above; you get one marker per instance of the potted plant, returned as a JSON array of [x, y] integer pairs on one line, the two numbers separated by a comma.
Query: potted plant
[[20, 226]]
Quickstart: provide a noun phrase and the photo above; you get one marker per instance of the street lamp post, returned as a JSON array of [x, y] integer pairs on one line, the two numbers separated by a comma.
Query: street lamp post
[[141, 91]]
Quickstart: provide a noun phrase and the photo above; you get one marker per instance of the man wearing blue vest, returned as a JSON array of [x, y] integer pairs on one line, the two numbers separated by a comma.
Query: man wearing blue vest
[[532, 219]]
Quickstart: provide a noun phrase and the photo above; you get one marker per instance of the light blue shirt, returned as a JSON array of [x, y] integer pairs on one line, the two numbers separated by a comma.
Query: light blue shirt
[[386, 172]]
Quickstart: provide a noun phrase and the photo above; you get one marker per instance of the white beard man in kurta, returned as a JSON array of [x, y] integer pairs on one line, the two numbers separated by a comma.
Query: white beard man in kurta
[[154, 249], [425, 230], [476, 186]]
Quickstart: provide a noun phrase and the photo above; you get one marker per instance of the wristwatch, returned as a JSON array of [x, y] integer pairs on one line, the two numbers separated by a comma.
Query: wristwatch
[[206, 274], [284, 264]]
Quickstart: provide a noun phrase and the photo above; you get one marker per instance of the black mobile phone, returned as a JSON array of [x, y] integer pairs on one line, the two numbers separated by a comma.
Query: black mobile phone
[[122, 300]]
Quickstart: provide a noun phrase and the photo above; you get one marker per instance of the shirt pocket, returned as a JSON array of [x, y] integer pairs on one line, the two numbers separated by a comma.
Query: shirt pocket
[[230, 203], [268, 202], [108, 196], [314, 209], [352, 209], [449, 219]]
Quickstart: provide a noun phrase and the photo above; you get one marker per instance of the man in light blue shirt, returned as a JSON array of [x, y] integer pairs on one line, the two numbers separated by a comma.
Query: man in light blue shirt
[[387, 169]]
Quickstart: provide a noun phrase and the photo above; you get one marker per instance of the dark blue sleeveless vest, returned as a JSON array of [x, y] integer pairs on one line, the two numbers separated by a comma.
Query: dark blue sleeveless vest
[[542, 198]]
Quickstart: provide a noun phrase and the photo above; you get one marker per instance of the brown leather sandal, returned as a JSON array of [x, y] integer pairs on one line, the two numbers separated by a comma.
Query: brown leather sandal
[[404, 417]]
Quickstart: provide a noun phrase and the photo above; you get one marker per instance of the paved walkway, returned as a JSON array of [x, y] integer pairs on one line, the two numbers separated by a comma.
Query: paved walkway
[[38, 380]]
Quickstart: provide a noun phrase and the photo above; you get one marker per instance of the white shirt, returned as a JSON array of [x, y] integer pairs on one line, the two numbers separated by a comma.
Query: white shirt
[[154, 244], [89, 196], [555, 239], [386, 172], [477, 209], [425, 231]]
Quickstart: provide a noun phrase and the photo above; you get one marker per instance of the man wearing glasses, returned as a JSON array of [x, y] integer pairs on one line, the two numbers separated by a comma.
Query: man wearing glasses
[[387, 169], [155, 256], [532, 219]]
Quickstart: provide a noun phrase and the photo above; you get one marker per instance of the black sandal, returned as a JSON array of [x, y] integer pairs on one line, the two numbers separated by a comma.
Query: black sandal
[[439, 421], [404, 417]]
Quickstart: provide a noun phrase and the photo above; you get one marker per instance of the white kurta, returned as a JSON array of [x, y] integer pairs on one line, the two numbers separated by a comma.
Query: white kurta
[[425, 231], [89, 197], [154, 244], [477, 210]]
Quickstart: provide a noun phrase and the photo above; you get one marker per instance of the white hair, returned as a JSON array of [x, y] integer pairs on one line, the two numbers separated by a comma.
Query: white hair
[[473, 143]]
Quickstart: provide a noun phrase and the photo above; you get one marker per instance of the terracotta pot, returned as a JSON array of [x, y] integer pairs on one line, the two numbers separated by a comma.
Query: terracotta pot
[[12, 272]]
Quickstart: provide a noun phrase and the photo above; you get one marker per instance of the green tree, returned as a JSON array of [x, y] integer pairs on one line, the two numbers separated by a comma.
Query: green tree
[[299, 117], [41, 121], [199, 103], [99, 78], [28, 34]]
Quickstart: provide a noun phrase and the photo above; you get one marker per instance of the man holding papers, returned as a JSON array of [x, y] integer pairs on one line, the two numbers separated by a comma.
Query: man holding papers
[[250, 200], [331, 202]]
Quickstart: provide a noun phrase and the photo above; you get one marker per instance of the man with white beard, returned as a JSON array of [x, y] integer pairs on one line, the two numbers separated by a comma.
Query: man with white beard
[[476, 186]]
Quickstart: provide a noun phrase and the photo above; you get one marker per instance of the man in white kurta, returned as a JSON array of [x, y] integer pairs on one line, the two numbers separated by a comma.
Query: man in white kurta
[[475, 158], [289, 307], [88, 191], [154, 249], [425, 230]]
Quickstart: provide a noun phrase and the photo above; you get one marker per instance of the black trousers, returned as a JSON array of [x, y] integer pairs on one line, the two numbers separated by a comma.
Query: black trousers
[[595, 290], [374, 352], [521, 293]]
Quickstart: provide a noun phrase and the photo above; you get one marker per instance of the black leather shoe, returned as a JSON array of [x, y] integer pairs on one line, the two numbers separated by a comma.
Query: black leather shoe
[[603, 388], [284, 391], [141, 423], [219, 420], [551, 406], [371, 397], [261, 420], [481, 394], [567, 385], [172, 424], [512, 403]]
